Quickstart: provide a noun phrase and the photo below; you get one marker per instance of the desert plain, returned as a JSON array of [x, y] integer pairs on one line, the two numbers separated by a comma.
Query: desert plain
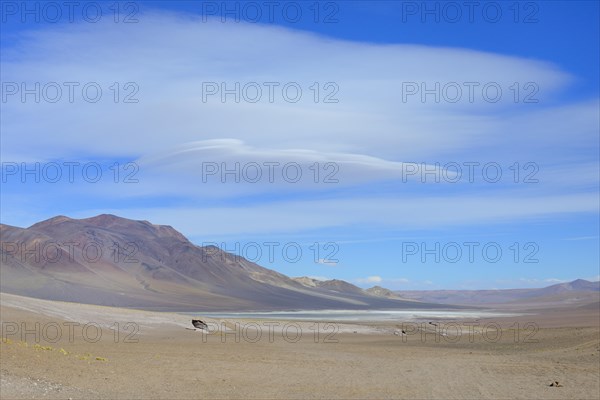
[[88, 352]]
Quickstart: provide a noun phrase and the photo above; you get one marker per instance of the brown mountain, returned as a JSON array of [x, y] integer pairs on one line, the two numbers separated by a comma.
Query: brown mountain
[[110, 260], [381, 292], [335, 285]]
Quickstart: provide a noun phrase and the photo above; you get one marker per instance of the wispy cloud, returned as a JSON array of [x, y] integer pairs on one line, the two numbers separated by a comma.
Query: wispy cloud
[[375, 279], [371, 116], [582, 238], [328, 262], [407, 213], [370, 279]]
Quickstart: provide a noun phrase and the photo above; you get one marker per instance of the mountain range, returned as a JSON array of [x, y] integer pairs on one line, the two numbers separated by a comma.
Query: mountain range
[[579, 291], [109, 260]]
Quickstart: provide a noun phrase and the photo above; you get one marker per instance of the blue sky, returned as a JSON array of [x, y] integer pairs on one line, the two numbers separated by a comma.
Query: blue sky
[[375, 215]]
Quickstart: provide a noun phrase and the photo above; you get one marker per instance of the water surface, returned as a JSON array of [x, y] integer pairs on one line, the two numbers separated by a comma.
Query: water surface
[[357, 315]]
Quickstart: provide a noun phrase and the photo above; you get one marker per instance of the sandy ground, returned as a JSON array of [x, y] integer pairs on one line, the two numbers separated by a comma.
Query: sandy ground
[[155, 356]]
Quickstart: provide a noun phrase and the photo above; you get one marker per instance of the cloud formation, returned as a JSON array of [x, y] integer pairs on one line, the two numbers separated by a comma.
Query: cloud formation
[[377, 127]]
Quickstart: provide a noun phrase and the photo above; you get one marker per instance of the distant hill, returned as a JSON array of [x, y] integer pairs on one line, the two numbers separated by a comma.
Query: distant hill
[[576, 285], [109, 260], [335, 285], [577, 291], [381, 292]]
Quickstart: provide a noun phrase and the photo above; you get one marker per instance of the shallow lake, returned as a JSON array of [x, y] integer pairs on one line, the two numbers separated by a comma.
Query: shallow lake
[[357, 315]]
